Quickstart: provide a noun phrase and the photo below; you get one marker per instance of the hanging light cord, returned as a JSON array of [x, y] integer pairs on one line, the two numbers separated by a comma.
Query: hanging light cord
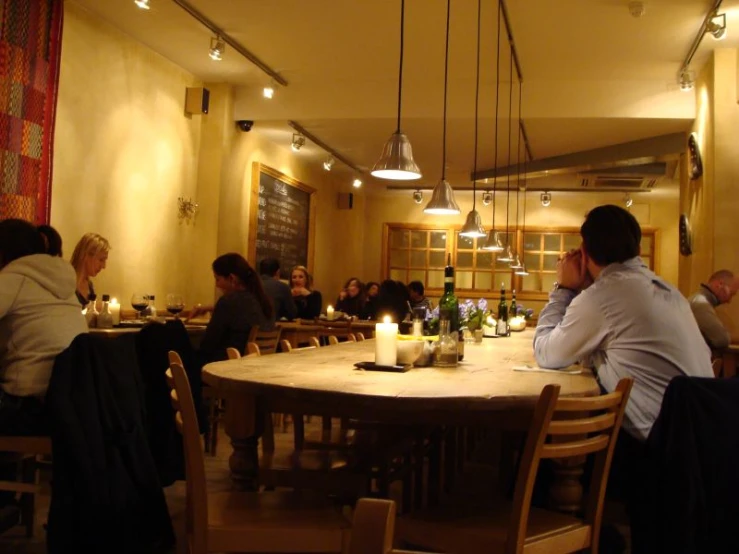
[[446, 72], [518, 155], [477, 102], [497, 98], [508, 177], [400, 70]]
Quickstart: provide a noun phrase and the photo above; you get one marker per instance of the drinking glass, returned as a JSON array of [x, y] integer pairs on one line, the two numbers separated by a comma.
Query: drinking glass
[[175, 304], [139, 303]]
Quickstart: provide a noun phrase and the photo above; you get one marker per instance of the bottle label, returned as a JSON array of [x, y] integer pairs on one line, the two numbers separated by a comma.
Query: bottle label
[[448, 279]]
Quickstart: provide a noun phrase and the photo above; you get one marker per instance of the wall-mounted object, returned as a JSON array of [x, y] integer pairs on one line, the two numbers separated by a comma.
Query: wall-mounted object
[[346, 200], [197, 100], [187, 209], [686, 237], [696, 162]]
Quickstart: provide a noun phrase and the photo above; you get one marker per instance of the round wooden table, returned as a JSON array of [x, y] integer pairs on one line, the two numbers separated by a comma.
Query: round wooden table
[[483, 390]]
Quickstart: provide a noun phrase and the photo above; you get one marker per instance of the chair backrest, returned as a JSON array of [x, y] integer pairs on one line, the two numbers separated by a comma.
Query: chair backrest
[[285, 345], [232, 353], [313, 341], [267, 341], [174, 358], [332, 340], [576, 427], [196, 520], [360, 336]]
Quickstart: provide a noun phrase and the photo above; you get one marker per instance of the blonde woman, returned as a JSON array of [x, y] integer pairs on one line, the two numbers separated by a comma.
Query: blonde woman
[[88, 259], [308, 301]]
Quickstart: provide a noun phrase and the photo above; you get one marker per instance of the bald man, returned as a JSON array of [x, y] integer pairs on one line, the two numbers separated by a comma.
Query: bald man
[[720, 289]]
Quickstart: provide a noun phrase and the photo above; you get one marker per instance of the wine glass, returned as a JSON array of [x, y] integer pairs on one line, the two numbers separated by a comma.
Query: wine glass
[[139, 303], [175, 304]]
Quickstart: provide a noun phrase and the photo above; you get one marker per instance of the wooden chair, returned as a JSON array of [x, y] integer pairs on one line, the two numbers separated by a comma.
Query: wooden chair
[[28, 451], [232, 353], [576, 427], [244, 521], [267, 341], [360, 336], [374, 527], [333, 339], [285, 345]]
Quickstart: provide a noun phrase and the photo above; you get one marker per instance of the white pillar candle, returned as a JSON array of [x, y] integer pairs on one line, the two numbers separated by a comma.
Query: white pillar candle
[[417, 327], [330, 312], [386, 342], [115, 311]]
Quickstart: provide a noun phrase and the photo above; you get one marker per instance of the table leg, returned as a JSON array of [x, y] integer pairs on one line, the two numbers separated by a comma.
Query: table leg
[[242, 429], [566, 492]]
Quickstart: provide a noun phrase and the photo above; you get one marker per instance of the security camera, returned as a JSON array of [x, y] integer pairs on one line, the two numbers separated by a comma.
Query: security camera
[[245, 124]]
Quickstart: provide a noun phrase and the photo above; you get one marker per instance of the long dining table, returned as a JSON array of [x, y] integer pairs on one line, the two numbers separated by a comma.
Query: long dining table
[[484, 390]]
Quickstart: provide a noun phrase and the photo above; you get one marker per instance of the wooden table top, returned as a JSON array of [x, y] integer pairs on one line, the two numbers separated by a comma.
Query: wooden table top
[[485, 380], [118, 331]]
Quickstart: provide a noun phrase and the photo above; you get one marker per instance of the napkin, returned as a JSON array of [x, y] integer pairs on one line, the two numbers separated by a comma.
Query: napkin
[[572, 370]]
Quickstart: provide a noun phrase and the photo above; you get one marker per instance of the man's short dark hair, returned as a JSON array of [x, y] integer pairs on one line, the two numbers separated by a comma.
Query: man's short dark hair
[[19, 238], [610, 235], [416, 286], [269, 266], [52, 238]]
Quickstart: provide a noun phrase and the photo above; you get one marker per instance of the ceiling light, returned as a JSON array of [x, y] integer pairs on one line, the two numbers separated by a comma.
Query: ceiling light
[[357, 182], [143, 4], [717, 26], [628, 200], [217, 48], [487, 198], [473, 226], [516, 263], [506, 256], [269, 91], [686, 80], [329, 163], [396, 161], [522, 270], [546, 199], [493, 243], [417, 196], [298, 142]]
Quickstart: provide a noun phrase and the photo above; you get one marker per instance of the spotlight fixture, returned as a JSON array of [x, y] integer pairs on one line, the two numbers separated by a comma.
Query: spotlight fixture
[[686, 80], [329, 163], [546, 199], [217, 48], [417, 196], [269, 90], [298, 142], [487, 198], [717, 26], [628, 200], [357, 182], [143, 4]]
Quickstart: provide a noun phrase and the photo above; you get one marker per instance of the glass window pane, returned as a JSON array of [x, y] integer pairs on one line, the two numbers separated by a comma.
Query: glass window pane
[[464, 259], [399, 238], [532, 241], [507, 239], [532, 282], [547, 281], [484, 260], [572, 242], [418, 258], [437, 258], [483, 280], [531, 261], [419, 239], [463, 280], [552, 242], [438, 239], [397, 275], [499, 278], [646, 246], [398, 258], [465, 243], [435, 279], [416, 275], [550, 262]]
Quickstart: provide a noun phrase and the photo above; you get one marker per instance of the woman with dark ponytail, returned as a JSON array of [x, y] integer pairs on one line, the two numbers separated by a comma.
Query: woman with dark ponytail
[[242, 306]]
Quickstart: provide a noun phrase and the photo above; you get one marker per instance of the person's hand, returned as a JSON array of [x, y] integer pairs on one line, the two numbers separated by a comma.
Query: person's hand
[[300, 291], [572, 271], [196, 311], [342, 294]]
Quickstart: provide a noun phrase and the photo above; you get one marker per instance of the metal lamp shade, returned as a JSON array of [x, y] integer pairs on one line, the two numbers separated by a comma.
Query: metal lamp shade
[[506, 256], [516, 263], [522, 270], [493, 242], [442, 200], [473, 226], [397, 162]]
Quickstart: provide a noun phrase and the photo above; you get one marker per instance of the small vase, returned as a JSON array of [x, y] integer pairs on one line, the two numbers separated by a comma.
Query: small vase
[[478, 335]]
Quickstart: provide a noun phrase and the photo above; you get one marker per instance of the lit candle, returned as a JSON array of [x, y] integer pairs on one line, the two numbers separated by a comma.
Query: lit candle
[[386, 342], [488, 329], [330, 312], [115, 311]]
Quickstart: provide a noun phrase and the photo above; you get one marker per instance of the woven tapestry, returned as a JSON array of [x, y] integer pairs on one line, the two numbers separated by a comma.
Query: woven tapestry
[[30, 47]]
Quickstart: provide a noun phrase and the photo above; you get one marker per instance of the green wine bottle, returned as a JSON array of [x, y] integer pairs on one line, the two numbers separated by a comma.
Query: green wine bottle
[[502, 330], [449, 305], [512, 308]]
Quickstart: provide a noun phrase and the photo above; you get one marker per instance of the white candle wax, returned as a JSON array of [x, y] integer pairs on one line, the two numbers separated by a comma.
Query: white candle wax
[[330, 312], [488, 328], [417, 327], [115, 311], [386, 342]]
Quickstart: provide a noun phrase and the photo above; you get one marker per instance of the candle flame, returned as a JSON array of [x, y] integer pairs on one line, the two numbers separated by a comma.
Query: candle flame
[[330, 307], [386, 319], [114, 301]]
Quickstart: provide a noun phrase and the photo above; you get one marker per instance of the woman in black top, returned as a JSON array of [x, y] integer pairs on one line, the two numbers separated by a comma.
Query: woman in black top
[[243, 305], [351, 298], [370, 303], [308, 301], [88, 259]]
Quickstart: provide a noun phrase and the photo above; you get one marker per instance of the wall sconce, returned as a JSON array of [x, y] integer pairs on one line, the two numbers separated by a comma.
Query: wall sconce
[[546, 199], [417, 196], [186, 209]]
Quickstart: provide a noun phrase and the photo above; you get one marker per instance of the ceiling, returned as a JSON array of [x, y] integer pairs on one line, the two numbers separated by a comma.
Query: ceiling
[[594, 75]]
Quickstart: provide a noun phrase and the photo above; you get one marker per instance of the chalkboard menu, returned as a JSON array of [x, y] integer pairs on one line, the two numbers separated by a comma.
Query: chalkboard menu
[[281, 219]]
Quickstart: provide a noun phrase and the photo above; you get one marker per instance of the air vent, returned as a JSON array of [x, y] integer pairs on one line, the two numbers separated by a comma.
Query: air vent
[[616, 182]]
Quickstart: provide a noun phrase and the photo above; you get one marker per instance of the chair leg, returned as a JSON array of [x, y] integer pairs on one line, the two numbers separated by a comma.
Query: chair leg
[[28, 500]]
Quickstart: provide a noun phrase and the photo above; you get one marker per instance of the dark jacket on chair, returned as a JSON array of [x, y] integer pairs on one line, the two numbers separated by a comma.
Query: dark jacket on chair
[[106, 496]]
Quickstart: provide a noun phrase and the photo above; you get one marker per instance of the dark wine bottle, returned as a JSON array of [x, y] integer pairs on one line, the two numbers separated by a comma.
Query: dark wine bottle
[[449, 305], [503, 329]]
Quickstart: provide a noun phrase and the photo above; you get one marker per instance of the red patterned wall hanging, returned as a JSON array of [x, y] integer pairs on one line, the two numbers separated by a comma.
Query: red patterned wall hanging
[[30, 48]]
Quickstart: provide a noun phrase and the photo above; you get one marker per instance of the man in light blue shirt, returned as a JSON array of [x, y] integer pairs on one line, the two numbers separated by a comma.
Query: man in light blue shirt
[[613, 314]]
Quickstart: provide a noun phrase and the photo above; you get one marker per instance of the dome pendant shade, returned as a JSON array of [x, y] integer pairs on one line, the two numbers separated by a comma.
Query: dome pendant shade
[[522, 271], [493, 242], [442, 200], [516, 263], [473, 226], [506, 255], [397, 161]]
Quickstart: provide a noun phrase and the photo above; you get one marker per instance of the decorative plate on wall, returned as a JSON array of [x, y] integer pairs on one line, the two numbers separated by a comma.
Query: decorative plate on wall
[[686, 238], [696, 163]]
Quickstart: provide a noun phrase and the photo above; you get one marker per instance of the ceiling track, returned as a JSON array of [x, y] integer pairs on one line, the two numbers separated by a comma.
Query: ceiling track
[[699, 37], [318, 142]]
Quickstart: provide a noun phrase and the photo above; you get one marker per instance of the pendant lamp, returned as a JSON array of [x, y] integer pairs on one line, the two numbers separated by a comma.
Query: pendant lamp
[[473, 226], [493, 244], [507, 255], [442, 197], [516, 263], [522, 269], [396, 161]]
